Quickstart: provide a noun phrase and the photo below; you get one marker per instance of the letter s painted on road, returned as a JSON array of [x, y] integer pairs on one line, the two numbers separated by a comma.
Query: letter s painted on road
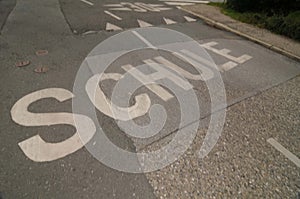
[[35, 148]]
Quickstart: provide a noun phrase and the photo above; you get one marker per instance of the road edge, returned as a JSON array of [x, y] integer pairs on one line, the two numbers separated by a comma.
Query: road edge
[[219, 25]]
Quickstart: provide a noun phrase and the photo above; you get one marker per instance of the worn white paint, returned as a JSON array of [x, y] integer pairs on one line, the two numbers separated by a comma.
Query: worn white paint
[[137, 7], [179, 4], [110, 26], [120, 9], [87, 2], [103, 104], [160, 7], [143, 24], [169, 21], [189, 19], [112, 15], [149, 82], [147, 7], [198, 62], [35, 148], [228, 66], [186, 1], [163, 73], [284, 151], [143, 39], [177, 68], [134, 7], [225, 53]]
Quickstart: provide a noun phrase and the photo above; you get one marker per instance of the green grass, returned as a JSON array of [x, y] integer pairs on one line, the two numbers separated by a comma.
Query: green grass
[[288, 25]]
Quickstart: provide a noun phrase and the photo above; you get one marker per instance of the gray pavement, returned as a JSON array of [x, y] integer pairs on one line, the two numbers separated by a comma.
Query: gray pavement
[[262, 98], [243, 164], [6, 7]]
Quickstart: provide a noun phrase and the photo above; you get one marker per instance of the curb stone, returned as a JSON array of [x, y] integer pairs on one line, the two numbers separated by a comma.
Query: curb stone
[[219, 25]]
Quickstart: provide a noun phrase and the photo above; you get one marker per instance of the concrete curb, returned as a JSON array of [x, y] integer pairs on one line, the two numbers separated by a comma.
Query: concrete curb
[[256, 40]]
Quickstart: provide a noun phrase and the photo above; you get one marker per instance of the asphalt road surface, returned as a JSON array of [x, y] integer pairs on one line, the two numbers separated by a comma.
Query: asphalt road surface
[[55, 165]]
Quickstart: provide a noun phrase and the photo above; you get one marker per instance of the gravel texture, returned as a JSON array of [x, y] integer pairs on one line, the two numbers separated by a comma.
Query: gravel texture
[[242, 164]]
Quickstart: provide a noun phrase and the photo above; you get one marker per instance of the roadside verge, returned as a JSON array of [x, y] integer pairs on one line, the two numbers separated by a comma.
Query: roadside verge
[[214, 17]]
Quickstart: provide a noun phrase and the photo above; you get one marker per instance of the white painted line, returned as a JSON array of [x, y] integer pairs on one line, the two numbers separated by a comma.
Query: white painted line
[[103, 104], [87, 2], [177, 69], [120, 9], [198, 62], [113, 5], [143, 24], [163, 73], [228, 66], [155, 5], [284, 151], [179, 4], [195, 57], [159, 6], [143, 39], [163, 9], [110, 26], [189, 19], [224, 53], [147, 7], [112, 15], [186, 1], [169, 21], [149, 82]]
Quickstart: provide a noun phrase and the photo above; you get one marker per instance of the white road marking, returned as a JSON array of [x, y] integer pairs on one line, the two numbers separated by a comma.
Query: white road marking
[[228, 66], [35, 148], [224, 53], [134, 7], [103, 104], [186, 1], [137, 7], [200, 59], [198, 62], [169, 21], [164, 9], [164, 73], [284, 151], [113, 5], [156, 5], [120, 9], [160, 7], [112, 15], [147, 7], [149, 82], [143, 39], [189, 19], [110, 26], [143, 24], [177, 68], [87, 2], [179, 4]]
